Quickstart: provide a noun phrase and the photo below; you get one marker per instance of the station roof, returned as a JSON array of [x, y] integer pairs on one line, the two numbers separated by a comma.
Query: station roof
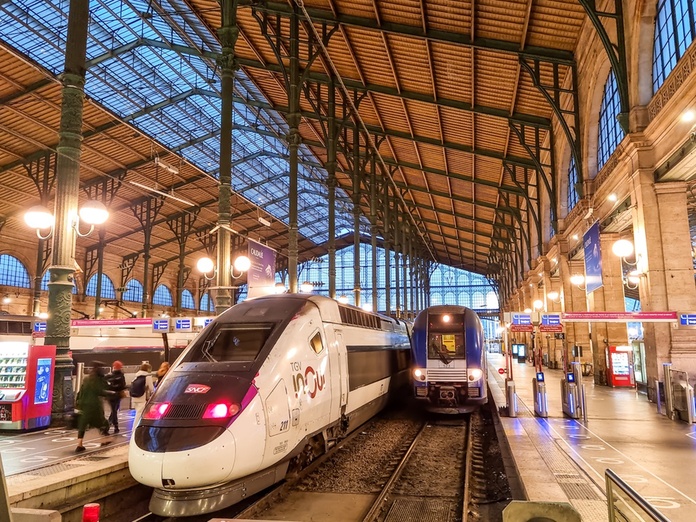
[[446, 91]]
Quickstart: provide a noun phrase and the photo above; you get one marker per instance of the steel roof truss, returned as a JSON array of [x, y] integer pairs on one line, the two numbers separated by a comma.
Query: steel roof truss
[[616, 51], [564, 103]]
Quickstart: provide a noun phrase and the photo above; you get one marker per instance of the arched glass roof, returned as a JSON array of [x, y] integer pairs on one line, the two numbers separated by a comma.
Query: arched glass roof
[[173, 96]]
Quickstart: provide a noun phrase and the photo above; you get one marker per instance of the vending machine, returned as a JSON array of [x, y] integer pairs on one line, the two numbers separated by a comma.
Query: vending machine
[[26, 385], [620, 366]]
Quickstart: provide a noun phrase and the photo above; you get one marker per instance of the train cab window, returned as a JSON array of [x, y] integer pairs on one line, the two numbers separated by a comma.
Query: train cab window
[[232, 343], [316, 343], [446, 337]]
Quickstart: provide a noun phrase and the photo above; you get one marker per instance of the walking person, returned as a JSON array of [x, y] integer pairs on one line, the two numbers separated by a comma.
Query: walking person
[[89, 403], [117, 384], [141, 389], [163, 369]]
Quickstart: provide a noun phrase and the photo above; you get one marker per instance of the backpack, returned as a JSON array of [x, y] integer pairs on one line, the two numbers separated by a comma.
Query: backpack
[[137, 387]]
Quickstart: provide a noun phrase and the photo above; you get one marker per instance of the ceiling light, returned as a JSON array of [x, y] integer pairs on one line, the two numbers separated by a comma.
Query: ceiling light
[[612, 197], [688, 116], [264, 221]]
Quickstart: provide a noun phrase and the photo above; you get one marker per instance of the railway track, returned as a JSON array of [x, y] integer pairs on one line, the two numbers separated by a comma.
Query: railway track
[[391, 469], [430, 481]]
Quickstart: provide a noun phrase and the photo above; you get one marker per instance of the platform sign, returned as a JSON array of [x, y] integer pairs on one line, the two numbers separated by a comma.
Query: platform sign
[[40, 327], [521, 323], [687, 319], [207, 321], [521, 319], [183, 324], [160, 325], [550, 323]]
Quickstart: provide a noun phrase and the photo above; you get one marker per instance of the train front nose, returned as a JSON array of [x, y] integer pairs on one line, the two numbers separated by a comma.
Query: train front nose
[[182, 465]]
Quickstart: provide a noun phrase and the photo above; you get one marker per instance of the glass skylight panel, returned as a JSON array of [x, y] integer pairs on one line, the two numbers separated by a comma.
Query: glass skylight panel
[[136, 80]]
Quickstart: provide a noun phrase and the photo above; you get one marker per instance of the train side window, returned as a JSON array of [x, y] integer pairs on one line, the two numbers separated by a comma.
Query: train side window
[[316, 343]]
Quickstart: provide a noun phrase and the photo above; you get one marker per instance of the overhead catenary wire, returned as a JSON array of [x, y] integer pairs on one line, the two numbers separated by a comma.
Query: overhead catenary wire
[[368, 137]]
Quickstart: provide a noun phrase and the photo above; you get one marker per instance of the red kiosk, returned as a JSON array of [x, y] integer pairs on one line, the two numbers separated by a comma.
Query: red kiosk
[[620, 366], [26, 385]]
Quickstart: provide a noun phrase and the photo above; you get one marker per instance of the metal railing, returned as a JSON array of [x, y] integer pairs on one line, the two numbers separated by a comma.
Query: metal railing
[[626, 505]]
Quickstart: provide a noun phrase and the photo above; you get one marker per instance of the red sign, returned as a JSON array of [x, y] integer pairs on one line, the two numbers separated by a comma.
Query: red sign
[[110, 322], [521, 327], [620, 317], [501, 371], [197, 388], [551, 328]]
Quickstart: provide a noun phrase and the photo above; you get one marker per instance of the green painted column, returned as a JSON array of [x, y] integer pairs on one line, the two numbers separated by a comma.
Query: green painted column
[[356, 217], [228, 34], [294, 140], [331, 182], [62, 271], [387, 250]]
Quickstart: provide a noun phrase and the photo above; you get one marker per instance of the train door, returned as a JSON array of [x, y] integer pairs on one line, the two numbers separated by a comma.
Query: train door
[[339, 374]]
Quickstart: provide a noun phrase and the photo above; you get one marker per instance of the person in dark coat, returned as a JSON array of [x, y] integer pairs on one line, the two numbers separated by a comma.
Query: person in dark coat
[[117, 384], [89, 403]]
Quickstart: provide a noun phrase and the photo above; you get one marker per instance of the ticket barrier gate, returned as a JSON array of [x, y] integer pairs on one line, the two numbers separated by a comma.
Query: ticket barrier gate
[[570, 392], [541, 402]]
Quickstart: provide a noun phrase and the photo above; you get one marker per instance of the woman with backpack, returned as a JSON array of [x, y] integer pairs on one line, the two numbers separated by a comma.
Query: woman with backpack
[[141, 389]]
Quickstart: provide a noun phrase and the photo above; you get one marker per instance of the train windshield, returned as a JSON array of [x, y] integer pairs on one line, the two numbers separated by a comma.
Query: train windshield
[[231, 343], [446, 337]]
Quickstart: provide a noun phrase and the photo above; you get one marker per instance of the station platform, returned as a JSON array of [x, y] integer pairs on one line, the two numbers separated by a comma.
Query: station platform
[[43, 471], [559, 459]]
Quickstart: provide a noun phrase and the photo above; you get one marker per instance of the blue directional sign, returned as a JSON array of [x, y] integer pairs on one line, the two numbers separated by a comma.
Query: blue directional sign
[[207, 321], [183, 324], [40, 327], [687, 319], [160, 325], [550, 319], [521, 318]]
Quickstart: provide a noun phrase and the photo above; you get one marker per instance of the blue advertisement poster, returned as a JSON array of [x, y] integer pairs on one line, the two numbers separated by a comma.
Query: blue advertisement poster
[[43, 379], [593, 258], [261, 275]]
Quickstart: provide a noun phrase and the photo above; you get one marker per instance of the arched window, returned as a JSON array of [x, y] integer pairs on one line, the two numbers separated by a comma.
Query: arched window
[[187, 300], [207, 304], [13, 272], [44, 282], [162, 296], [134, 291], [572, 184], [610, 132], [107, 287], [674, 32]]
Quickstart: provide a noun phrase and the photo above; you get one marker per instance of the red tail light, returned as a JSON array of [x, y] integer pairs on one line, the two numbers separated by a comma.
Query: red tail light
[[156, 411], [220, 410]]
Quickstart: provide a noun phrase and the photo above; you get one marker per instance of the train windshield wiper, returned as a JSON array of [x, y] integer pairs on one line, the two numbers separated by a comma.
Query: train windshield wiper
[[207, 346], [443, 357]]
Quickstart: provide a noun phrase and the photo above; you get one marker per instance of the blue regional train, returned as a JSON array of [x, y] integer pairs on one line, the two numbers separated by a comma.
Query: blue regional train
[[449, 359]]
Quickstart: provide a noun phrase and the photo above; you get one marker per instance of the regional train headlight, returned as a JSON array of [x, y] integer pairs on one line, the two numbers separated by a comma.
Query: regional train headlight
[[419, 374], [474, 374]]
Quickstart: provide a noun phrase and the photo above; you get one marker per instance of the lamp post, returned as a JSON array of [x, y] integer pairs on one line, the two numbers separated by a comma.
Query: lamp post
[[207, 267]]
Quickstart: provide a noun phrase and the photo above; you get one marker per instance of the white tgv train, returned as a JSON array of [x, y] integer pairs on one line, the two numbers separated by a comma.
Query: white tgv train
[[270, 383]]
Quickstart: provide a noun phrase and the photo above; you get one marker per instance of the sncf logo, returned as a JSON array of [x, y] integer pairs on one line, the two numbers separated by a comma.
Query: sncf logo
[[197, 388]]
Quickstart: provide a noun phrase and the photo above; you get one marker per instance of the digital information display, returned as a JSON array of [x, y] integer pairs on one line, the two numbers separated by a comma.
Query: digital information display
[[43, 379]]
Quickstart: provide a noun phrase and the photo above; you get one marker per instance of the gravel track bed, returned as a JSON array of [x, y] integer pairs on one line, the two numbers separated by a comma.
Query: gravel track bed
[[364, 464], [436, 466]]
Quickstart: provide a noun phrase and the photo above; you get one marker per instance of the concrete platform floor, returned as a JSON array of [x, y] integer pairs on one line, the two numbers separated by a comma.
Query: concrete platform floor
[[654, 455]]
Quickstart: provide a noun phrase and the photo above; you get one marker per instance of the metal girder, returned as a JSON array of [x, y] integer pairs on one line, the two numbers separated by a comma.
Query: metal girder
[[616, 52], [555, 94], [417, 31], [524, 180], [316, 77], [534, 145]]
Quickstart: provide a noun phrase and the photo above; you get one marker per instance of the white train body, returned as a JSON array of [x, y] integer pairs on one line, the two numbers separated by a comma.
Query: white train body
[[271, 381]]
